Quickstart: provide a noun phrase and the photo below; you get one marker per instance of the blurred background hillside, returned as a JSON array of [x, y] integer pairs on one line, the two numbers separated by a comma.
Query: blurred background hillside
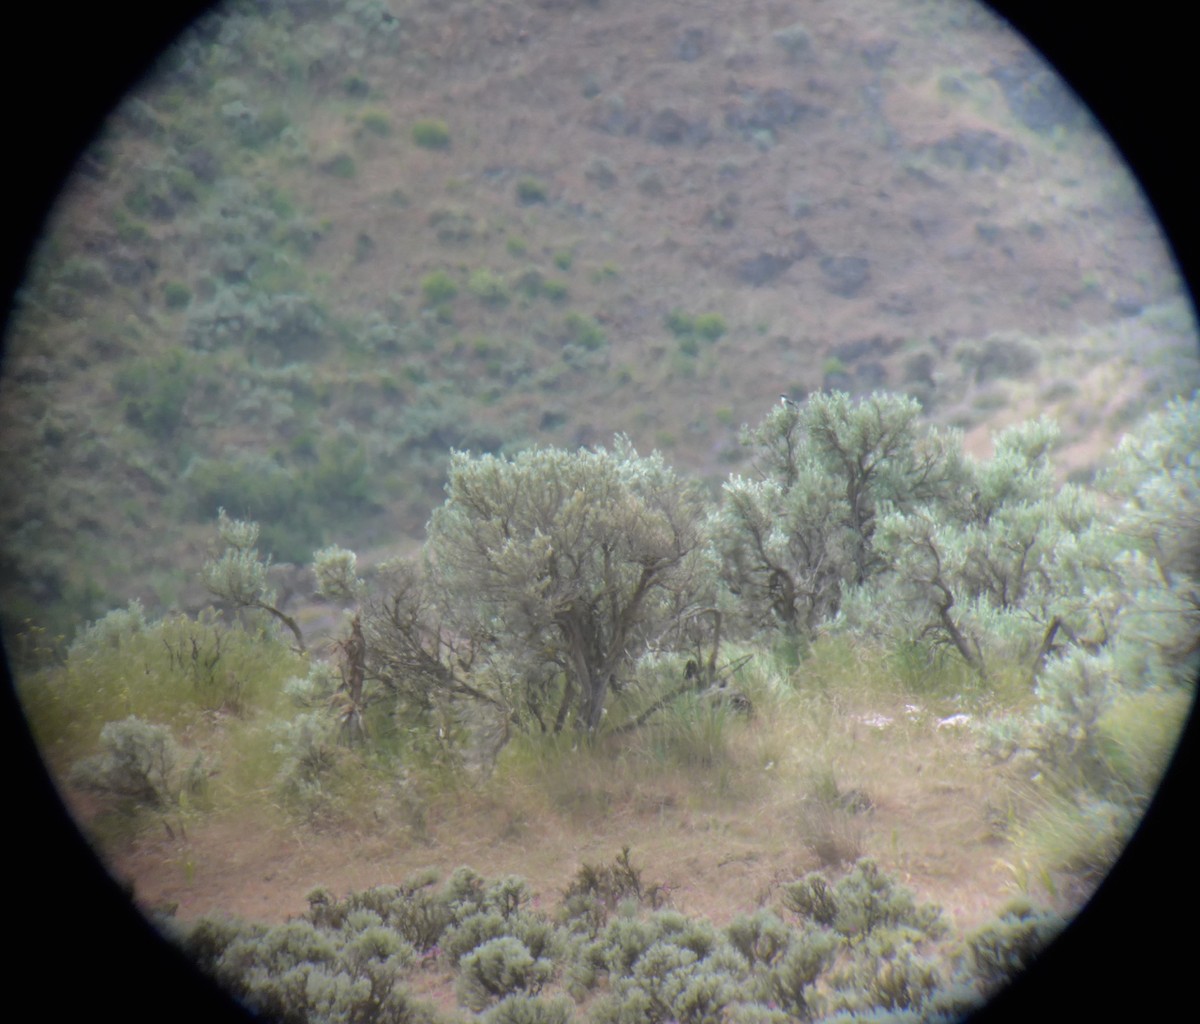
[[324, 243]]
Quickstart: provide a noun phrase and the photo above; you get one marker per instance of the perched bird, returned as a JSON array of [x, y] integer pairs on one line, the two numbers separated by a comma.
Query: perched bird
[[787, 401]]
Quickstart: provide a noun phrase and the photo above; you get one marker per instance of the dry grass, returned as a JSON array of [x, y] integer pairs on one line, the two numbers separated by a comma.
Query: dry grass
[[719, 808]]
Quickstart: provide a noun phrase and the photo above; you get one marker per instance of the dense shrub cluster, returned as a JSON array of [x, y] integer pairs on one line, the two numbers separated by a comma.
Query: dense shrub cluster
[[298, 972], [859, 949]]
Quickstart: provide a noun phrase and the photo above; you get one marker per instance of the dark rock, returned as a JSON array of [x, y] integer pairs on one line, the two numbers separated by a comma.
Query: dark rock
[[650, 182], [870, 376], [838, 380], [762, 269], [878, 52], [692, 45], [600, 172], [765, 110], [853, 351], [1128, 305], [972, 150], [845, 275], [203, 163], [766, 266], [796, 42], [668, 127], [801, 245], [898, 303], [989, 233], [130, 268], [998, 358], [918, 368], [1037, 96], [612, 117]]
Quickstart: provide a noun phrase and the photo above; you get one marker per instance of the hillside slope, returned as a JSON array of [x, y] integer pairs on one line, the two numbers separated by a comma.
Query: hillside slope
[[327, 242]]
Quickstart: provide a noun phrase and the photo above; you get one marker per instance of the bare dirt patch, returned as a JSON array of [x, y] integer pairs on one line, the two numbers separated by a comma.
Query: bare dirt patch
[[930, 822]]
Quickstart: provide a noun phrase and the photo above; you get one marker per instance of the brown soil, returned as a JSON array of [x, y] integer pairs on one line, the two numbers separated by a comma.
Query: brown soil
[[931, 825]]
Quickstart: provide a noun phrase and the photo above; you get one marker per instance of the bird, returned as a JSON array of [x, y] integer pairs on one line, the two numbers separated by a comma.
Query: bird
[[788, 402]]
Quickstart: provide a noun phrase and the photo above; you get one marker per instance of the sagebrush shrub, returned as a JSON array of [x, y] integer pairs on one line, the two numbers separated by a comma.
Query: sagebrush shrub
[[523, 1009], [889, 972], [431, 133], [1004, 948], [669, 981], [790, 980], [307, 970], [865, 899], [438, 288], [498, 968], [414, 911], [470, 933], [811, 897], [313, 761], [761, 937], [597, 889], [109, 633], [140, 763]]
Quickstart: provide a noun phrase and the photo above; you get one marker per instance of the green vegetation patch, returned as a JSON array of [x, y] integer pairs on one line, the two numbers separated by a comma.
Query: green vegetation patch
[[431, 133]]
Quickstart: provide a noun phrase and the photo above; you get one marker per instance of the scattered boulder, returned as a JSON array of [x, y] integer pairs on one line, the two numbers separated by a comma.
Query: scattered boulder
[[765, 110], [972, 150], [1128, 305], [918, 368], [796, 42], [692, 45], [612, 117], [998, 358], [846, 275], [876, 345], [668, 127], [877, 52], [599, 172], [129, 268], [649, 182], [1037, 96], [870, 376], [765, 266], [203, 163]]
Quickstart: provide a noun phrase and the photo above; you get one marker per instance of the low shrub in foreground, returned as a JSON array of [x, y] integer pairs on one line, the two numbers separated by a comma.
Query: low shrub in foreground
[[861, 950]]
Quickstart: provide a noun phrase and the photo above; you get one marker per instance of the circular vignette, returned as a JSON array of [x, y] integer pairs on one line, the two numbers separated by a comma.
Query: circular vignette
[[1132, 70]]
